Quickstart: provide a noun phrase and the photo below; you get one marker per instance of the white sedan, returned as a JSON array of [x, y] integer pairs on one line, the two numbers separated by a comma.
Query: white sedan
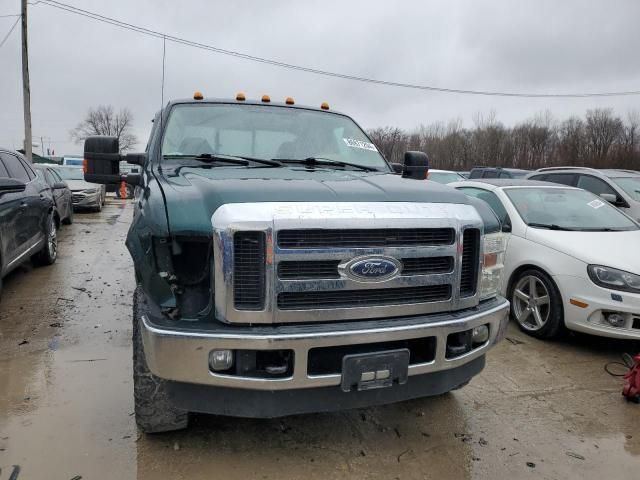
[[571, 260]]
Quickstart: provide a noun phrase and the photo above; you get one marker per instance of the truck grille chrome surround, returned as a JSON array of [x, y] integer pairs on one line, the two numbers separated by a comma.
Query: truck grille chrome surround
[[305, 280]]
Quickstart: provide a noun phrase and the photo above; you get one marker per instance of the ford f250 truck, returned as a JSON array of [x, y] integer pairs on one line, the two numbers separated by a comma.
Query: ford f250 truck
[[284, 266]]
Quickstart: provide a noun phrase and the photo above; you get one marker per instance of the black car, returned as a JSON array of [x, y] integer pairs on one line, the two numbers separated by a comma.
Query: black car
[[497, 172], [28, 223], [59, 191]]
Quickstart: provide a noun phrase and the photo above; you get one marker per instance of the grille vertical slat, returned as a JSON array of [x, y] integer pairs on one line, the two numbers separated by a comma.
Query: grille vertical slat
[[249, 270], [470, 262]]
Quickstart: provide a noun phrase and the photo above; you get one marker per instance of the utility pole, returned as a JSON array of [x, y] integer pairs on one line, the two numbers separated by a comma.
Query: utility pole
[[26, 89]]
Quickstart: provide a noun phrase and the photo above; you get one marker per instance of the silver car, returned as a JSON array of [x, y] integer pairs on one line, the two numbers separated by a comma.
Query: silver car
[[619, 187], [83, 194]]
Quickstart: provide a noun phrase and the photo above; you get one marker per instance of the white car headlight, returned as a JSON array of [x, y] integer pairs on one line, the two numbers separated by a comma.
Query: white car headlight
[[614, 279], [90, 190], [494, 246]]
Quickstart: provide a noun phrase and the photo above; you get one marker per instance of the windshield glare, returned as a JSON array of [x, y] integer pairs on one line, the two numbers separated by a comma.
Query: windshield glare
[[70, 173], [631, 185], [267, 132], [567, 208]]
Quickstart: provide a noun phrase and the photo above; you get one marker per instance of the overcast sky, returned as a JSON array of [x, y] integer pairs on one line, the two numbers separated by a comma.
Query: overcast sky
[[514, 46]]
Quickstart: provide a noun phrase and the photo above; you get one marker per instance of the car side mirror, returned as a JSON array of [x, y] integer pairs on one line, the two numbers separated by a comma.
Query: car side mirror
[[609, 197], [134, 179], [11, 185], [102, 160], [59, 185], [506, 227], [416, 165]]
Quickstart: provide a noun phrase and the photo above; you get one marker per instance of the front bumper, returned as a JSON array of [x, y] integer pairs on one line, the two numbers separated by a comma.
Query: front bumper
[[180, 352], [590, 319], [82, 200]]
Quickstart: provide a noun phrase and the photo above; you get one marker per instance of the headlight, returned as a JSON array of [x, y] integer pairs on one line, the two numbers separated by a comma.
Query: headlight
[[492, 264], [90, 190], [614, 279]]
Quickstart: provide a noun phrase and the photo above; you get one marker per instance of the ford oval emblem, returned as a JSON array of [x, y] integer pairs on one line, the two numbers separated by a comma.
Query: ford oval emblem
[[373, 269]]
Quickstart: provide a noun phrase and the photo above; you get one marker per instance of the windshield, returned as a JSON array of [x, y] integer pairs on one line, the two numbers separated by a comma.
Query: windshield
[[560, 208], [267, 132], [631, 185], [444, 177], [71, 173]]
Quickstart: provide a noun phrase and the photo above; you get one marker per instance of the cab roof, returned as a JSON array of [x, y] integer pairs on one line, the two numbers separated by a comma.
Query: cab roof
[[233, 101]]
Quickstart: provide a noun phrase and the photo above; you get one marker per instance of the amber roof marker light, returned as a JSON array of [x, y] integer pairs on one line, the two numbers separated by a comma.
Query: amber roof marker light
[[324, 106], [197, 95], [266, 98], [240, 97], [289, 101]]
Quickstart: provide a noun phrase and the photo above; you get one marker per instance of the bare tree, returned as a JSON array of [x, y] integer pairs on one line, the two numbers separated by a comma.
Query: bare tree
[[104, 121], [602, 130]]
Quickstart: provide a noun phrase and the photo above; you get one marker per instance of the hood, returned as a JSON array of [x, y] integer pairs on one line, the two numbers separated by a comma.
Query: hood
[[76, 185], [611, 249], [194, 194]]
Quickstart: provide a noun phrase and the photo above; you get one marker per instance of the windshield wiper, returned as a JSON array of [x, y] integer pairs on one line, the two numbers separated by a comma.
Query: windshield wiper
[[550, 226], [231, 159], [314, 161]]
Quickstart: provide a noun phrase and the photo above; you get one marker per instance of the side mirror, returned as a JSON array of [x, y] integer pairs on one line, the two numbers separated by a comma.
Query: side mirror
[[609, 197], [101, 160], [416, 165], [397, 167], [59, 185], [11, 185], [506, 227], [134, 179]]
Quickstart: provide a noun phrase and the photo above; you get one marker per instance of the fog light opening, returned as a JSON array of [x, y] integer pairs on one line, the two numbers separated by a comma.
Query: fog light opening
[[220, 360], [480, 335], [615, 319]]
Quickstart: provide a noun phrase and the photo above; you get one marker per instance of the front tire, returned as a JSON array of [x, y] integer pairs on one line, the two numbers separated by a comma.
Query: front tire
[[536, 304], [154, 412], [49, 253], [69, 219]]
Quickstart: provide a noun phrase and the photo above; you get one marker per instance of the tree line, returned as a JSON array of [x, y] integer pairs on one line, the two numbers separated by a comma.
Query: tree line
[[602, 139]]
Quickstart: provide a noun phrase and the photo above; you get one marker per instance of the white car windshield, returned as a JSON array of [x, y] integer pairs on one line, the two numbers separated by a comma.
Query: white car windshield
[[71, 173], [444, 177], [631, 185], [267, 132], [567, 209]]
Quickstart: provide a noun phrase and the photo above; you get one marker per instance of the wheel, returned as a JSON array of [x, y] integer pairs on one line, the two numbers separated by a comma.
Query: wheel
[[98, 208], [153, 410], [536, 304], [49, 253], [69, 219]]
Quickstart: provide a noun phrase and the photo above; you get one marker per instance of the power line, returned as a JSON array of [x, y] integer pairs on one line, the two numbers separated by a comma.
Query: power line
[[10, 30], [10, 15], [326, 73]]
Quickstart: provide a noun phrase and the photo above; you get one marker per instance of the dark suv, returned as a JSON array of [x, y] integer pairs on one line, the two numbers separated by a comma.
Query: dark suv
[[497, 172], [27, 215]]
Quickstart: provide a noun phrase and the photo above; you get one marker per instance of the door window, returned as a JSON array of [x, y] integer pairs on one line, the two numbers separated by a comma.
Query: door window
[[595, 185], [15, 167], [3, 170], [489, 197], [562, 178]]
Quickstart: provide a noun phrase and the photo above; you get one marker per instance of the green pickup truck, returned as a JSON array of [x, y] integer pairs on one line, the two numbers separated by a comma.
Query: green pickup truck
[[284, 266]]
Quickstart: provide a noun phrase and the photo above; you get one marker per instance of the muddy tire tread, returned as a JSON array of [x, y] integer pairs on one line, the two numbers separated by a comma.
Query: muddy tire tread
[[153, 411]]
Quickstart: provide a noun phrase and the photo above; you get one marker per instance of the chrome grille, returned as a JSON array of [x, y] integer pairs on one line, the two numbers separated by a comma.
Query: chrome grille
[[308, 257]]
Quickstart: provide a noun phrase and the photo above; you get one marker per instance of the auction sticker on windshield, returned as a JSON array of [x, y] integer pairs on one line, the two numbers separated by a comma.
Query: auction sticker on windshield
[[353, 143], [596, 204]]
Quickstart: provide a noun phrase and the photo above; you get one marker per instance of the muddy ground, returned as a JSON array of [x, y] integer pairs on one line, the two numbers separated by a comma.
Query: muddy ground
[[539, 409]]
